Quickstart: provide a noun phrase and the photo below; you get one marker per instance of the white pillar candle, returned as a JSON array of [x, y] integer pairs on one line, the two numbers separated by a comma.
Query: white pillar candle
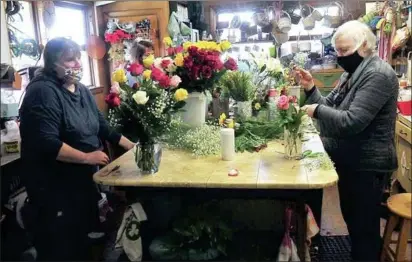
[[227, 138]]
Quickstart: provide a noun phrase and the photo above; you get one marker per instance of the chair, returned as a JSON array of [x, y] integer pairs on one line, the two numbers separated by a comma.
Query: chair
[[400, 207]]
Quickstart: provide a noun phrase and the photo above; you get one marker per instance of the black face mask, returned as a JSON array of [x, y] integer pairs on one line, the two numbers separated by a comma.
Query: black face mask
[[351, 62]]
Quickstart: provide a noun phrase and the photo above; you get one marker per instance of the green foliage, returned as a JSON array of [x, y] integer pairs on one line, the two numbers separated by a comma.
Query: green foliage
[[291, 118], [238, 86]]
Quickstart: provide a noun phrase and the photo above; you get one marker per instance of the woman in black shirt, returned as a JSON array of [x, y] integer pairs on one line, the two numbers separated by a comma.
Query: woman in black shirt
[[61, 146]]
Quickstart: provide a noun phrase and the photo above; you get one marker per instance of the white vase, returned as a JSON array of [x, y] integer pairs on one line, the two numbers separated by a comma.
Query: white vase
[[244, 109], [195, 110]]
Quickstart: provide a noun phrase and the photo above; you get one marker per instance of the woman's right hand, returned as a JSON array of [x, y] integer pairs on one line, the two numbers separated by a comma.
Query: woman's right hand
[[96, 158], [305, 78]]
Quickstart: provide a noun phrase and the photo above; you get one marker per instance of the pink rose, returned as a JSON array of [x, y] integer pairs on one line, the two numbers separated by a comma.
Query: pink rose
[[115, 89], [175, 81], [283, 103]]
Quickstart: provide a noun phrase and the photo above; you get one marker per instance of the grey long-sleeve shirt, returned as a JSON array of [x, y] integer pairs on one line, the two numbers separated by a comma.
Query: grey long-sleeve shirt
[[359, 133]]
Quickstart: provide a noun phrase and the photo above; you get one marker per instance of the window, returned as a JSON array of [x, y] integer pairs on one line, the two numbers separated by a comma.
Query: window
[[21, 26], [71, 22]]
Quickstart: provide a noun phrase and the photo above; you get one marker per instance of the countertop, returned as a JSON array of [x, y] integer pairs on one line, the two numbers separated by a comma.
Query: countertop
[[267, 169]]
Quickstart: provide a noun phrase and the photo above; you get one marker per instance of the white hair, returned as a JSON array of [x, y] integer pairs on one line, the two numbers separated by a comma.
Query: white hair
[[359, 32]]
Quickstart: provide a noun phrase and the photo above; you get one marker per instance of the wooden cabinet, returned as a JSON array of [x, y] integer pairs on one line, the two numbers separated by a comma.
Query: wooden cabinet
[[404, 152]]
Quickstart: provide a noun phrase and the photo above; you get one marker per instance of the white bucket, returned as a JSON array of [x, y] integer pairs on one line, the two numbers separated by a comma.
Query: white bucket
[[195, 109]]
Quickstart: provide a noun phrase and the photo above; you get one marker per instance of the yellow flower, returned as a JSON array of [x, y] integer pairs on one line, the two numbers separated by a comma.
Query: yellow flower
[[148, 61], [230, 123], [186, 45], [222, 119], [147, 74], [181, 94], [225, 45], [179, 59], [119, 76], [167, 41], [257, 106]]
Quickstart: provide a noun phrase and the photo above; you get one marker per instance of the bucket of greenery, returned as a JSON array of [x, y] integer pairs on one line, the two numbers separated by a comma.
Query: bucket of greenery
[[201, 234], [239, 87]]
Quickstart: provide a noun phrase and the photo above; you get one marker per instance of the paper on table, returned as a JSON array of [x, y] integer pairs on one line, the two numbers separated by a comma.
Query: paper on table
[[314, 144]]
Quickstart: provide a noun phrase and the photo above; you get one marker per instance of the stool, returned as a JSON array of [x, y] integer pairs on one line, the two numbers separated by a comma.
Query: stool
[[400, 207]]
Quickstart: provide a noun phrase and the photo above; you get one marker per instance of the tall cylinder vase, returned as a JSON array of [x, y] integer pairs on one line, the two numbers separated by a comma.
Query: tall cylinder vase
[[195, 110], [292, 143]]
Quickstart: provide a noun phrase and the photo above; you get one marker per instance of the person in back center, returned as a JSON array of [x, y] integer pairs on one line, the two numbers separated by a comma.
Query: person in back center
[[61, 147]]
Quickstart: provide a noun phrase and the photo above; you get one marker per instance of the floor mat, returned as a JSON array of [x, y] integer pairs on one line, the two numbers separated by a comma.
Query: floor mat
[[332, 248]]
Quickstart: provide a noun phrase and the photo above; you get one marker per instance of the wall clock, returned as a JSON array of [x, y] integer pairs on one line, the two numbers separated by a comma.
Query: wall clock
[[49, 13]]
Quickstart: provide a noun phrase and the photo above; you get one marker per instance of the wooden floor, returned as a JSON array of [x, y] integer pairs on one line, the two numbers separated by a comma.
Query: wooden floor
[[332, 220]]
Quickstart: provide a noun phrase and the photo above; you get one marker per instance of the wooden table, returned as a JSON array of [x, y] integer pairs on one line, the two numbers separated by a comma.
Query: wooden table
[[266, 173]]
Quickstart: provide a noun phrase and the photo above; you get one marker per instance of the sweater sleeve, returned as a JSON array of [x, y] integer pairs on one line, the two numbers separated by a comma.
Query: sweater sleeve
[[314, 96], [105, 131], [371, 96], [41, 119]]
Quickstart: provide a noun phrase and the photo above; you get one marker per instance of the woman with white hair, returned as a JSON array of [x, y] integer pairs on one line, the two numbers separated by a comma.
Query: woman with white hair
[[357, 123]]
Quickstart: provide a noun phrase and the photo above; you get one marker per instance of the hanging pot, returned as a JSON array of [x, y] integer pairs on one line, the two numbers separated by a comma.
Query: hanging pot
[[284, 23]]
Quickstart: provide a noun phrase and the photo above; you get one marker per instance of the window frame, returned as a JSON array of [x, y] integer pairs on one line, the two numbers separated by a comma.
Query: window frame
[[85, 9]]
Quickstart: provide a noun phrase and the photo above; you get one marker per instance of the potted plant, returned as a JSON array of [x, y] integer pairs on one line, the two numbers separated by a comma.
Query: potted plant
[[239, 87], [144, 111]]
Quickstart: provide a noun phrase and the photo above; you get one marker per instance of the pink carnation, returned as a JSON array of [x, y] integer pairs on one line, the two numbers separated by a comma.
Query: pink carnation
[[283, 103], [115, 89], [175, 81]]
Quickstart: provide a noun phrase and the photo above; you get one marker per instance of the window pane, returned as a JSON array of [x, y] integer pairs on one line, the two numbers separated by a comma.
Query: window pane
[[87, 77], [69, 23], [21, 25]]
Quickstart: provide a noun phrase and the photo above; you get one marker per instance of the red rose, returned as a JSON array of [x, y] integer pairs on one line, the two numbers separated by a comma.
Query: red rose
[[231, 64], [178, 49], [170, 51], [164, 81], [193, 50], [156, 74], [194, 73], [188, 62], [214, 62], [135, 69], [136, 85], [111, 38], [113, 100], [206, 72], [293, 99], [165, 63]]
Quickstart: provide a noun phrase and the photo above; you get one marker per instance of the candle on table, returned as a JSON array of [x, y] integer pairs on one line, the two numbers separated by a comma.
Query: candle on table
[[227, 138]]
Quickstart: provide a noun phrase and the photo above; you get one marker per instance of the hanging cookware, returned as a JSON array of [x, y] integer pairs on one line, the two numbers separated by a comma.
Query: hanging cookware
[[333, 21], [279, 36], [284, 23]]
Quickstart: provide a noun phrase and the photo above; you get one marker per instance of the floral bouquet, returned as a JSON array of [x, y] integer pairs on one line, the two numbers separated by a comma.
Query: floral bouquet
[[199, 64], [290, 119], [144, 111]]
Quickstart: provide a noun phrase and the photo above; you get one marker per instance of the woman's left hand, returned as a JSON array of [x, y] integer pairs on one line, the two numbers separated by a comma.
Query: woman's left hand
[[310, 109]]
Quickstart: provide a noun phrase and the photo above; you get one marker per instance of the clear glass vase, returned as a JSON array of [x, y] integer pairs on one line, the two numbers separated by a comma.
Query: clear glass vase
[[292, 143], [148, 157]]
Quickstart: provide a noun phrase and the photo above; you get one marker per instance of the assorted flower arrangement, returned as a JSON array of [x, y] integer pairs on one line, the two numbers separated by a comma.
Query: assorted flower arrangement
[[291, 119], [144, 111], [199, 64]]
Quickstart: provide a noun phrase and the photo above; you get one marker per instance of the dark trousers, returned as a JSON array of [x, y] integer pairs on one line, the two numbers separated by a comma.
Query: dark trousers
[[360, 196], [61, 231]]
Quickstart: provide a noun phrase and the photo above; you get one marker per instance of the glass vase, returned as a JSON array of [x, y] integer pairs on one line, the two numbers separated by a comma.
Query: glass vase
[[148, 157], [292, 143]]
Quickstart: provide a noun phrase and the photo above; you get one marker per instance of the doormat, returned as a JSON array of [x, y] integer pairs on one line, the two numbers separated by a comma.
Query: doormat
[[332, 248]]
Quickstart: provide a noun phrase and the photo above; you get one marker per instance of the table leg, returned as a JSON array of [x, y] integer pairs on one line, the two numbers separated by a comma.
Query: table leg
[[301, 229]]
